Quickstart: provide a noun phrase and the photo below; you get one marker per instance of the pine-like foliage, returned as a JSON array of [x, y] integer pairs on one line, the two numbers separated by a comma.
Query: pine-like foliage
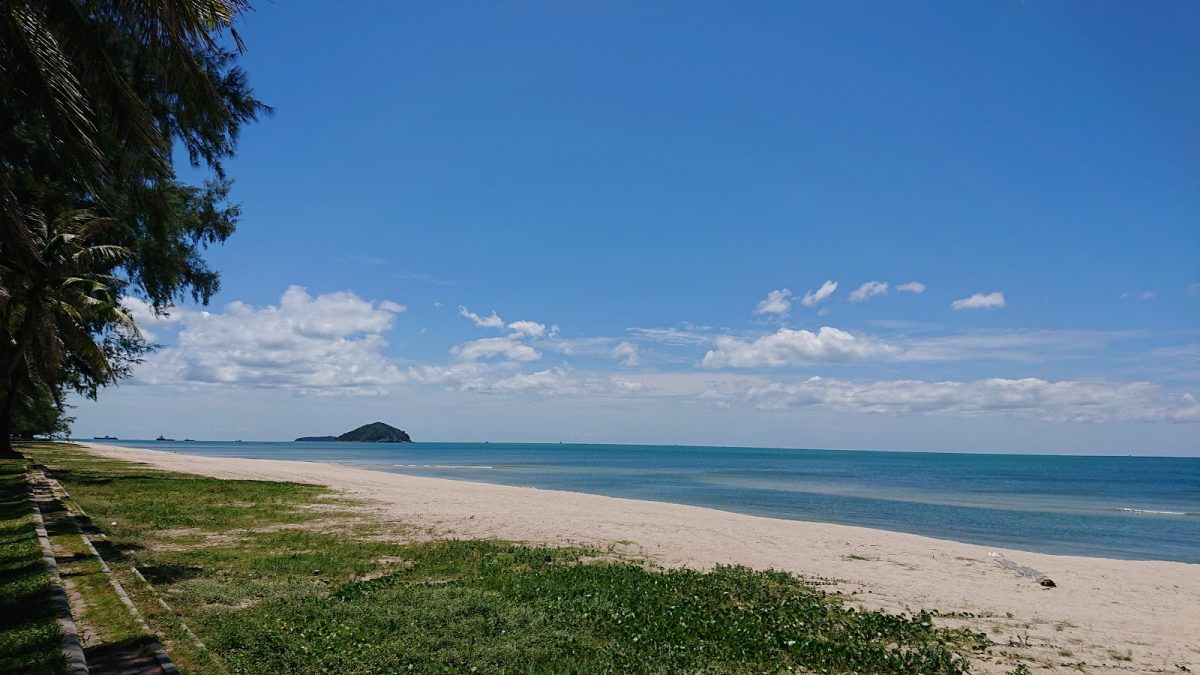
[[95, 97]]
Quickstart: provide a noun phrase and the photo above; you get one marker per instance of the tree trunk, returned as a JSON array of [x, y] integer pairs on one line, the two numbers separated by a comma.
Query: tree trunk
[[6, 415], [9, 380]]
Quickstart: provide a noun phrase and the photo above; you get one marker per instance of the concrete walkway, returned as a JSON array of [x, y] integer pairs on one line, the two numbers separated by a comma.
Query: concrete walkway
[[85, 648]]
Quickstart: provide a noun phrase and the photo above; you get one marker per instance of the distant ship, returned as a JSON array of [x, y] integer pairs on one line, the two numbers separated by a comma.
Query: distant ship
[[163, 438], [104, 438]]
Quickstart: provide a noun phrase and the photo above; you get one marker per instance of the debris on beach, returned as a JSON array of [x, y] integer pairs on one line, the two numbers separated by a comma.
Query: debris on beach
[[1024, 571]]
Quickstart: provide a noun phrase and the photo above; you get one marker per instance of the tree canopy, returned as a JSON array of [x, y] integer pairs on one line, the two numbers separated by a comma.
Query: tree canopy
[[95, 98]]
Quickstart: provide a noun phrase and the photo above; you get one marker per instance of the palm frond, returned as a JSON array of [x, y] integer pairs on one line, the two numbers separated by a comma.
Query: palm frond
[[70, 110]]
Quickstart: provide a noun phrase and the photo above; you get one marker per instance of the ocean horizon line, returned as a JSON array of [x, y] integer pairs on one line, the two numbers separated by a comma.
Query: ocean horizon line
[[1011, 453]]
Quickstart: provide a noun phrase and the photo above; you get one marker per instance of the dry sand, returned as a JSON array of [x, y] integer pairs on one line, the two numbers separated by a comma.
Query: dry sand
[[1112, 615]]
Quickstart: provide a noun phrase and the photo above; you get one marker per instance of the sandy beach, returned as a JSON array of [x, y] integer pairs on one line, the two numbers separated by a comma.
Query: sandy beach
[[1112, 615]]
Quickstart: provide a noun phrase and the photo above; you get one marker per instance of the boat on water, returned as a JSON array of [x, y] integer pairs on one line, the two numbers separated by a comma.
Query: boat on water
[[104, 438], [163, 438]]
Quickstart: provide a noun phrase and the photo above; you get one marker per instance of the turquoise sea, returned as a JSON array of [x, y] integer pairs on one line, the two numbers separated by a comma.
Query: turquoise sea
[[1115, 507]]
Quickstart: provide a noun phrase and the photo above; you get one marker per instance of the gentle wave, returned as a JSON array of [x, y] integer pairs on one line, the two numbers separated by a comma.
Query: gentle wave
[[1159, 513], [442, 466]]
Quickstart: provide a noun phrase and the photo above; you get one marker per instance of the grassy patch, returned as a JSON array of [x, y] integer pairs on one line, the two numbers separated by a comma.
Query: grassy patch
[[272, 584], [30, 641], [110, 630]]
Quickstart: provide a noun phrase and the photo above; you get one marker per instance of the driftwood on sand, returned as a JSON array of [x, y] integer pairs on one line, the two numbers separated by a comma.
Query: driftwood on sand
[[1023, 570]]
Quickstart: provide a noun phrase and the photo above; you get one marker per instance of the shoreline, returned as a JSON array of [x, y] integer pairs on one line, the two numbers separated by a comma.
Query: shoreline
[[954, 500], [1149, 610], [935, 538]]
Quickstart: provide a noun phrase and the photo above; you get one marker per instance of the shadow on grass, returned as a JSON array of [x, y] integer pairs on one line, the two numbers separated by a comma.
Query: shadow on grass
[[14, 608], [170, 573], [131, 656], [115, 553], [77, 477], [86, 525], [30, 641]]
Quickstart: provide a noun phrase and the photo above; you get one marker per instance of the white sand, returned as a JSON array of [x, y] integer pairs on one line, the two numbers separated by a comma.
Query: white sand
[[1114, 615]]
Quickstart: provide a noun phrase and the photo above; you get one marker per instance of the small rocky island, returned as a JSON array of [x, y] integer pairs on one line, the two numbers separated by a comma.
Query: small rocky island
[[375, 432]]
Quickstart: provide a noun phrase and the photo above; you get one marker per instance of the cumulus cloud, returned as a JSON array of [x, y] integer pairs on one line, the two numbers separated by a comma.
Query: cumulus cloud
[[813, 297], [487, 348], [980, 301], [1065, 400], [776, 302], [309, 344], [492, 321], [527, 328], [787, 347], [626, 353], [519, 328], [912, 287], [869, 290], [147, 320]]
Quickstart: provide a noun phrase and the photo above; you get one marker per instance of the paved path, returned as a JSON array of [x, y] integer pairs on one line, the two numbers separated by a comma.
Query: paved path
[[140, 656]]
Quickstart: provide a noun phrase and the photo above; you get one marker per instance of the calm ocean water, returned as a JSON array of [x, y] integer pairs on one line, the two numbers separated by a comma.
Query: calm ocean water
[[1116, 507]]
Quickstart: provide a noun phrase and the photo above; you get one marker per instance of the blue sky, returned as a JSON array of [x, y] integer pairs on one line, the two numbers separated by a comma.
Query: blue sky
[[637, 179]]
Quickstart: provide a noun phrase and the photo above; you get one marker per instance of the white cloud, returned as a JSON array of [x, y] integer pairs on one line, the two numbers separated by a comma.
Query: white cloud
[[487, 348], [912, 287], [554, 381], [787, 347], [527, 328], [1066, 400], [1147, 295], [506, 379], [980, 301], [792, 347], [813, 297], [518, 328], [147, 320], [492, 321], [776, 302], [308, 344], [869, 290], [1194, 289], [626, 353]]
